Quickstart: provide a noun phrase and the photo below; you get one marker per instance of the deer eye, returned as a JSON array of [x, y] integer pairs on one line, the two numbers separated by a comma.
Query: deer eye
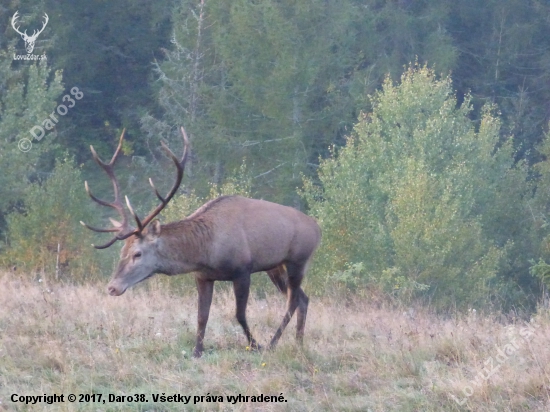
[[136, 255]]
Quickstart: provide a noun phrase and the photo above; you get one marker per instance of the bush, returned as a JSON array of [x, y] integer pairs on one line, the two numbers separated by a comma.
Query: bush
[[47, 233], [422, 199]]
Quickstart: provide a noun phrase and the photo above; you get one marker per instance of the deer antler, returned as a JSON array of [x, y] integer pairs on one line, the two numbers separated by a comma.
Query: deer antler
[[24, 34], [180, 166], [29, 40], [124, 230], [46, 20], [13, 21]]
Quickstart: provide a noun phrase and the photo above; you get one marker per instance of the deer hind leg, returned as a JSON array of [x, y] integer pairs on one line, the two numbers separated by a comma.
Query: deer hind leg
[[241, 287], [301, 316], [279, 277], [296, 299], [206, 289]]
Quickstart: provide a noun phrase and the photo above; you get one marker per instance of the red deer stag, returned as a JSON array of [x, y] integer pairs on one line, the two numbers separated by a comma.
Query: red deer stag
[[228, 239]]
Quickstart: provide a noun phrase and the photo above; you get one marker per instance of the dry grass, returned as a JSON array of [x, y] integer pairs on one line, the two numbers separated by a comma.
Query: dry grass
[[357, 357]]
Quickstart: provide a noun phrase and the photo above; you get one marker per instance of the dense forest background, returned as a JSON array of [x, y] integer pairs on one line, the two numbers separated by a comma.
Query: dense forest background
[[431, 118]]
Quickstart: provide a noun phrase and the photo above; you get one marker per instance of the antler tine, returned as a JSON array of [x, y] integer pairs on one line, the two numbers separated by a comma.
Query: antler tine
[[115, 155], [106, 245], [180, 166], [95, 199], [113, 240], [124, 229], [131, 209], [14, 21], [155, 189], [46, 20], [95, 229], [108, 168], [35, 32]]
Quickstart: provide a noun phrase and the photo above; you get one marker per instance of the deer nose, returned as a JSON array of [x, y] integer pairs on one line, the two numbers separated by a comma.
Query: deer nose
[[113, 291]]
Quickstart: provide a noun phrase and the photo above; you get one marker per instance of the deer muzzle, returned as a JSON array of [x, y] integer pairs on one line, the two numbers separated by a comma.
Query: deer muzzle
[[115, 290]]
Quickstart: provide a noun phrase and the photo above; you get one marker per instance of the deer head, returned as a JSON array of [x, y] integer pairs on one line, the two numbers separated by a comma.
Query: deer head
[[29, 40]]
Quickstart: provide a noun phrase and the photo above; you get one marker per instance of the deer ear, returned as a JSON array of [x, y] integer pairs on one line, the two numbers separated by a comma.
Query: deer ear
[[153, 229]]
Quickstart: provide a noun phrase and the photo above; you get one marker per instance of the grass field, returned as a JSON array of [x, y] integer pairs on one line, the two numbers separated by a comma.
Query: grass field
[[358, 356]]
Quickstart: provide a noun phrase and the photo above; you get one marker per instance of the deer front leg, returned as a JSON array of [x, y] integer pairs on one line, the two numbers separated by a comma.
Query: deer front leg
[[205, 289]]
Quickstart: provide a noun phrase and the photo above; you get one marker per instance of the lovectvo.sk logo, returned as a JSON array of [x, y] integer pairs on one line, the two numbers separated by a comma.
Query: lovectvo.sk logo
[[29, 40]]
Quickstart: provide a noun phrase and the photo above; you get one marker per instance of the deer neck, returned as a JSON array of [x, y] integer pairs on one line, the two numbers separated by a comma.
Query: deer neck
[[184, 246]]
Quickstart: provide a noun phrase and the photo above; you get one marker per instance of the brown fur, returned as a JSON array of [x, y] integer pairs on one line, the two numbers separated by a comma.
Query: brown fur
[[227, 239]]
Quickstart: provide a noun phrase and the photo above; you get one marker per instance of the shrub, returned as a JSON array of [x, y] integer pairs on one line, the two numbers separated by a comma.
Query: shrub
[[421, 198], [46, 234]]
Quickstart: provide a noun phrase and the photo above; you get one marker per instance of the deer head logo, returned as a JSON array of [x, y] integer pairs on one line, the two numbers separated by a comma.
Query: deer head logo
[[29, 40]]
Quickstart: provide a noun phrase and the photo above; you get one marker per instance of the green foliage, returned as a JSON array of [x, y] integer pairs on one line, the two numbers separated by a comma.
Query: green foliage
[[421, 194], [539, 211], [50, 220], [541, 270], [350, 278], [353, 278], [28, 96], [418, 194], [278, 82], [398, 286], [182, 206], [120, 41], [504, 58]]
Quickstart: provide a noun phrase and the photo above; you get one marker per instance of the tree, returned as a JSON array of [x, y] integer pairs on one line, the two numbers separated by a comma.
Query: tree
[[278, 82], [106, 49], [418, 196], [45, 236], [29, 94], [503, 58]]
